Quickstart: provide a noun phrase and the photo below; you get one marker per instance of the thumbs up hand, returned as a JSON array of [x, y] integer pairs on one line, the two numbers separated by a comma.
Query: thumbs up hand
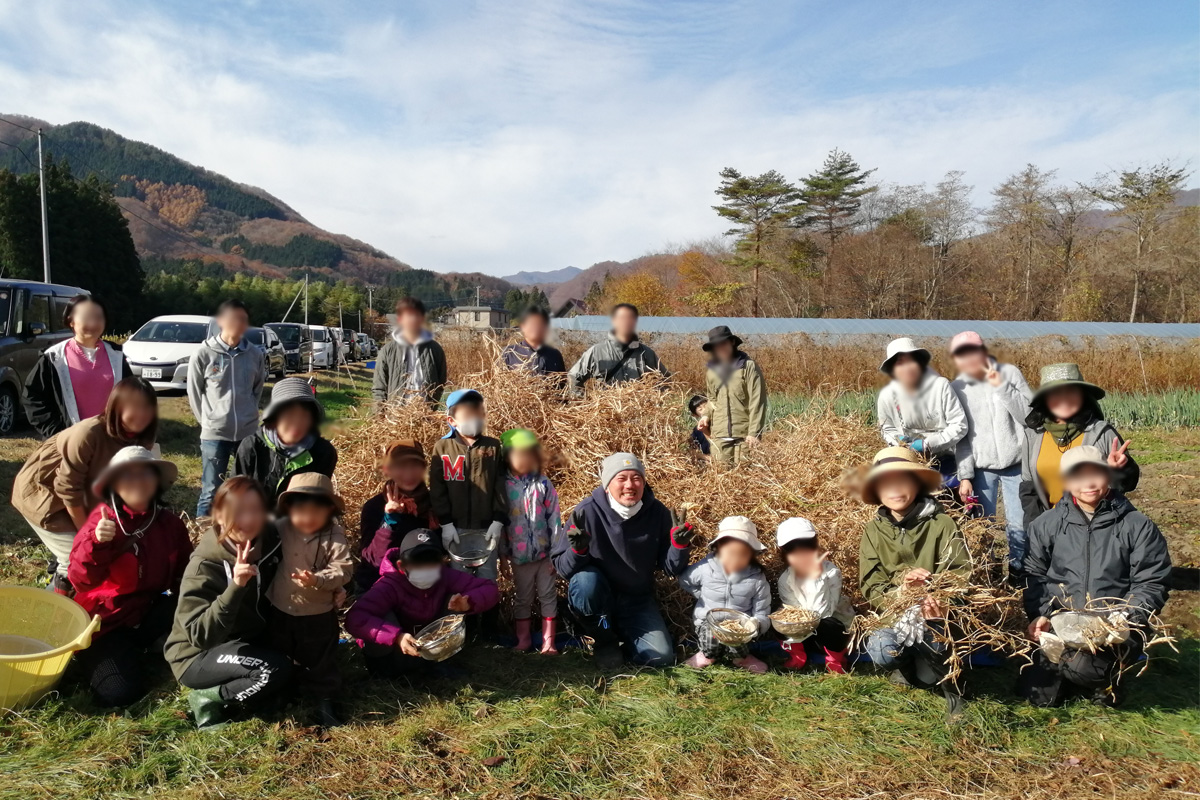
[[106, 527]]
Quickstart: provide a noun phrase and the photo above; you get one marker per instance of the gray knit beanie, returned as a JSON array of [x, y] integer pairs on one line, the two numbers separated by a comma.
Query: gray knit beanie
[[619, 462]]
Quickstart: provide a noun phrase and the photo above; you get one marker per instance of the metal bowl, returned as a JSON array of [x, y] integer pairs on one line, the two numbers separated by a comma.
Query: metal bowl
[[442, 638], [472, 548], [802, 625], [730, 626]]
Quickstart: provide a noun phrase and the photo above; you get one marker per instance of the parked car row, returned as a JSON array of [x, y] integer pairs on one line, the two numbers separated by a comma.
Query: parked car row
[[31, 320]]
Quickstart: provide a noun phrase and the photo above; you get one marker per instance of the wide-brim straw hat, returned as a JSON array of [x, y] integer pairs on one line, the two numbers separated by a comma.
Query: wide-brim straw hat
[[312, 484], [291, 391], [1054, 376], [133, 456], [898, 347], [899, 459]]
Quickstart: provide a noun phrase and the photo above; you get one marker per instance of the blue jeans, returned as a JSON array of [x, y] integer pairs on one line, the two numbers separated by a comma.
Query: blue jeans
[[989, 484], [609, 617], [214, 461], [885, 653]]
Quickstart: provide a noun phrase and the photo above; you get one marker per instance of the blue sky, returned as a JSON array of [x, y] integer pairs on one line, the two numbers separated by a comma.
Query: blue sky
[[529, 136]]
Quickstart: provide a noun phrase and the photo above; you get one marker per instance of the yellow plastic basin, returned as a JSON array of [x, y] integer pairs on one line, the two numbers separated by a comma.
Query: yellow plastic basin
[[39, 632]]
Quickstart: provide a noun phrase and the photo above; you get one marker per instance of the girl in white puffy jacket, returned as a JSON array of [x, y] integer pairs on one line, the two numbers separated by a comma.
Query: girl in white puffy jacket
[[814, 583]]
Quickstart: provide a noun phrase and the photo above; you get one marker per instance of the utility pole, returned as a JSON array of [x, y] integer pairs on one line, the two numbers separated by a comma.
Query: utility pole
[[45, 219], [477, 288], [370, 299]]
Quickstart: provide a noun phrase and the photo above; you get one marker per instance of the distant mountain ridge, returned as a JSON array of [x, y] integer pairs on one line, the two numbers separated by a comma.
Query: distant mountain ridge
[[177, 210], [548, 278]]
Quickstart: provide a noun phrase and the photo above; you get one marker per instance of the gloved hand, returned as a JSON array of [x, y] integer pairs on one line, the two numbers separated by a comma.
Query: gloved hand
[[449, 535], [682, 535], [493, 533], [577, 533], [918, 445]]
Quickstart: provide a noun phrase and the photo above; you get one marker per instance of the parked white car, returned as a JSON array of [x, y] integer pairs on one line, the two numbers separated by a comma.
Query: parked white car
[[160, 350], [324, 347]]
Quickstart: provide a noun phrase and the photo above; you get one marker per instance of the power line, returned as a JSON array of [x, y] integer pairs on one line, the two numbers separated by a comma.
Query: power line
[[32, 163], [18, 125]]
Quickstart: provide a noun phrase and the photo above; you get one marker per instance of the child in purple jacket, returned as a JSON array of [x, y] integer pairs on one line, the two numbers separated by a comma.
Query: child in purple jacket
[[415, 587]]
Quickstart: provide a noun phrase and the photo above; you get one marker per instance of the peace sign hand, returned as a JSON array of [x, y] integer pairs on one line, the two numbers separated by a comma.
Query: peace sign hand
[[393, 498], [106, 528], [993, 375], [1117, 458], [243, 570]]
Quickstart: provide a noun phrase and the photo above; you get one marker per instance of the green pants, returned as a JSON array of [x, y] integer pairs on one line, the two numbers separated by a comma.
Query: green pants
[[728, 450]]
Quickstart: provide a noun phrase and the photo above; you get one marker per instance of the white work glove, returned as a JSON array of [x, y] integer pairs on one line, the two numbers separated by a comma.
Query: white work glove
[[910, 628], [493, 533], [449, 535]]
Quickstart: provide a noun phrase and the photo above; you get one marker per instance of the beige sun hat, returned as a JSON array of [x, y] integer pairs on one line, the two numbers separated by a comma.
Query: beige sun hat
[[130, 457], [901, 346], [1076, 457], [312, 484], [740, 528], [899, 459]]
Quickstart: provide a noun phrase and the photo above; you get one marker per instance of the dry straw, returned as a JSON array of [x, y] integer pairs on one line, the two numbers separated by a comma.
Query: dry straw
[[807, 465]]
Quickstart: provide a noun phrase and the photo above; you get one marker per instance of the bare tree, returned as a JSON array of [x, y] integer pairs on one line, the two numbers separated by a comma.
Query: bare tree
[[1019, 213], [949, 218]]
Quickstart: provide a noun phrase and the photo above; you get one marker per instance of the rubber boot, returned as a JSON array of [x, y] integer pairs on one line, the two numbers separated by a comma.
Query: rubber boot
[[549, 634], [797, 656], [931, 670], [522, 628], [325, 715], [835, 661], [208, 708]]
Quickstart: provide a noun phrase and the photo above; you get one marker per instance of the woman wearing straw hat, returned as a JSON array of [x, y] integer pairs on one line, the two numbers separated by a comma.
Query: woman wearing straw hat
[[289, 441], [737, 396], [1065, 413], [919, 409], [126, 565], [53, 491]]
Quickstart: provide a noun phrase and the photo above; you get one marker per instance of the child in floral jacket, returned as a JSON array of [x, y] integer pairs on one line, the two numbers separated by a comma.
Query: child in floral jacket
[[534, 521]]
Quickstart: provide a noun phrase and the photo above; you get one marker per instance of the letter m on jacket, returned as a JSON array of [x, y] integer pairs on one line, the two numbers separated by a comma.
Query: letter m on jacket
[[454, 468]]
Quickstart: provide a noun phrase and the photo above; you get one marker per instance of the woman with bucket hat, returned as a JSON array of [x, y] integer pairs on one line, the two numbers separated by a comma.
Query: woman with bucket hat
[[729, 578], [919, 409], [289, 442], [737, 396], [126, 565], [1065, 413]]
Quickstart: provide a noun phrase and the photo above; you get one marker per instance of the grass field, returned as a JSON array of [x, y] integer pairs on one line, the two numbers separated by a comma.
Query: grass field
[[522, 726]]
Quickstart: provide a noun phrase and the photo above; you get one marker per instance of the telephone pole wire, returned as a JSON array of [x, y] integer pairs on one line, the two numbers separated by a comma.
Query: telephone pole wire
[[45, 220]]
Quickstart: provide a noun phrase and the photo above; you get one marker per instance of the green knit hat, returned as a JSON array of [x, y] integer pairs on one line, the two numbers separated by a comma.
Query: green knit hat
[[518, 439], [1066, 374]]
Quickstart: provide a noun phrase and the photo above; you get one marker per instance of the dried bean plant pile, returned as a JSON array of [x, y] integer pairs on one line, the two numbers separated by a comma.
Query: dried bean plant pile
[[807, 466]]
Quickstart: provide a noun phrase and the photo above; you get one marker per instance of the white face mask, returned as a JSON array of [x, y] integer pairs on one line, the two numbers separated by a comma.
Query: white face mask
[[424, 577], [470, 427], [624, 512]]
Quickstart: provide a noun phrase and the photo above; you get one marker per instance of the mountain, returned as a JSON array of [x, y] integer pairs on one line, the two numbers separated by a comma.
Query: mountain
[[663, 265], [177, 210], [543, 279]]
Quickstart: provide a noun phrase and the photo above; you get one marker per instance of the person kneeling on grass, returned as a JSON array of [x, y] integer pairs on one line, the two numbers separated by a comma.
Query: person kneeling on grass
[[215, 647], [729, 578], [126, 566], [1094, 546], [314, 570], [908, 541], [415, 588], [616, 539], [814, 583]]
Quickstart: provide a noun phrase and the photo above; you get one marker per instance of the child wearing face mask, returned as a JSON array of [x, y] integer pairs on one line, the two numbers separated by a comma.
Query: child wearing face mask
[[729, 577], [314, 568], [402, 506], [415, 587], [466, 483]]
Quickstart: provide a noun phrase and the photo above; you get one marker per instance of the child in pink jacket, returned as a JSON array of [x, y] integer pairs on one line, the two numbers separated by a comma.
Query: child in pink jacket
[[415, 587]]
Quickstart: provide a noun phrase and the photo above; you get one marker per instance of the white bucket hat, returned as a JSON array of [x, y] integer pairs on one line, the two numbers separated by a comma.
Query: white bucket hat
[[131, 456], [1076, 457], [740, 528], [898, 347], [794, 529]]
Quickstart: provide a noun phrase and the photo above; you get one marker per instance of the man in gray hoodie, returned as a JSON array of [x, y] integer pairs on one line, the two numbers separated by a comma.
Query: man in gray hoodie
[[996, 398], [225, 383], [410, 364]]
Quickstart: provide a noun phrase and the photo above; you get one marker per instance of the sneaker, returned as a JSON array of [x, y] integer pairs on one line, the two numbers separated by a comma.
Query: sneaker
[[955, 703], [751, 664], [898, 678], [700, 661], [609, 657]]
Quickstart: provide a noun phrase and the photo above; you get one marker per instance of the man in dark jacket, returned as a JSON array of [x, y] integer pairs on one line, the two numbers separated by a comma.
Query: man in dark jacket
[[618, 537], [289, 441], [619, 358], [410, 364], [532, 352], [1093, 551]]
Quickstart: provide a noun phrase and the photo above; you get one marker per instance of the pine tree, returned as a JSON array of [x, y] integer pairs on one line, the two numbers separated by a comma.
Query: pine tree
[[830, 198], [759, 206]]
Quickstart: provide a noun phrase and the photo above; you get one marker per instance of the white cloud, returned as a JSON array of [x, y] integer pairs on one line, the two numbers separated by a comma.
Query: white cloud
[[552, 135]]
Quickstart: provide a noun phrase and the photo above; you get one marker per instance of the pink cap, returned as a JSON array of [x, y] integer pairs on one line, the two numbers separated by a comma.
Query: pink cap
[[965, 339]]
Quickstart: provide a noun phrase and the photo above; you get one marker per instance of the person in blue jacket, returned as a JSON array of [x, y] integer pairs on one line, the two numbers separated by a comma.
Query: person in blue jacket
[[608, 554]]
